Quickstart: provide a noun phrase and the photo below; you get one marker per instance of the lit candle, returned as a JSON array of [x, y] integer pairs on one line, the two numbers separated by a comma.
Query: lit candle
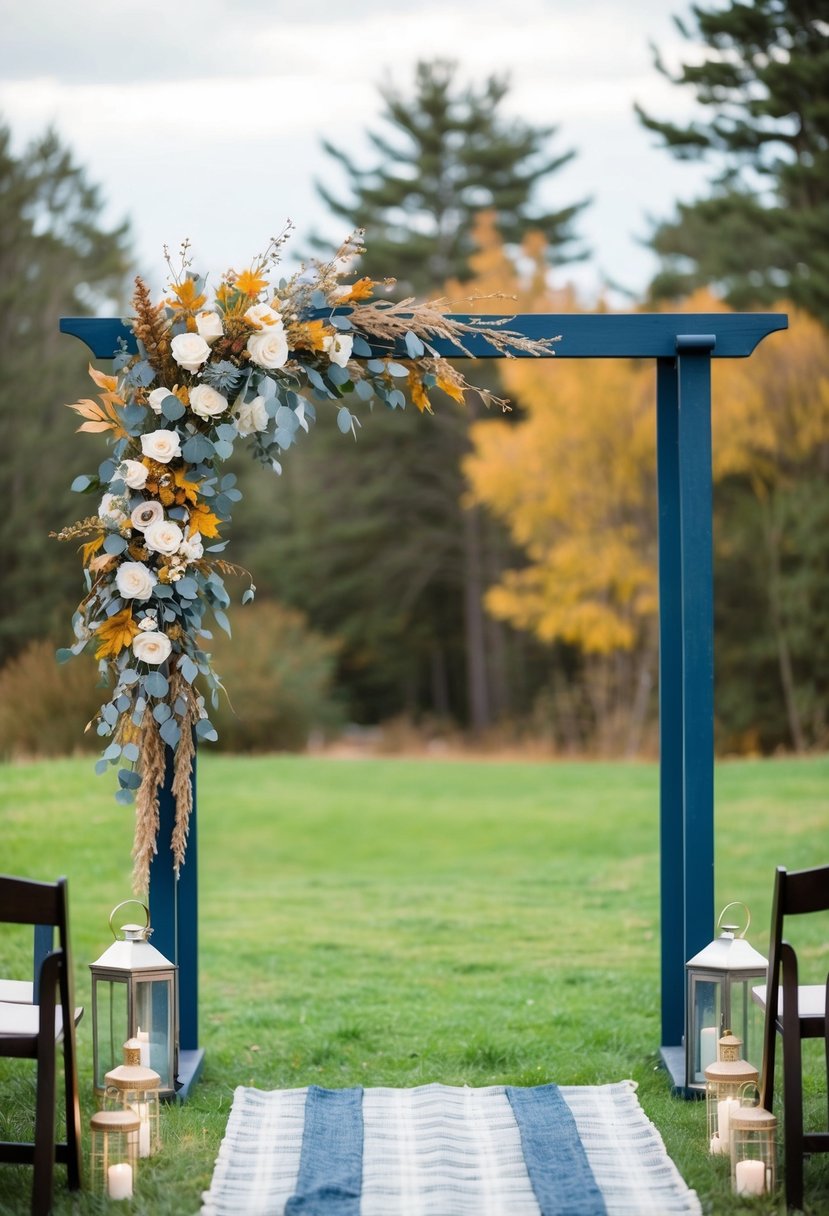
[[144, 1047], [119, 1181], [724, 1111], [750, 1177], [707, 1047]]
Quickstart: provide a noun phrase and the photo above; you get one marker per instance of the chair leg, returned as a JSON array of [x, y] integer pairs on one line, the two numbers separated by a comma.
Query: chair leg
[[73, 1111], [44, 1154], [792, 1089]]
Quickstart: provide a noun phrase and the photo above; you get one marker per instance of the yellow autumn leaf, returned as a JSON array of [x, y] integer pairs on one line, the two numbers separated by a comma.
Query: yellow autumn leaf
[[115, 633], [451, 389], [91, 548], [417, 392], [309, 335], [190, 488], [104, 381], [203, 521]]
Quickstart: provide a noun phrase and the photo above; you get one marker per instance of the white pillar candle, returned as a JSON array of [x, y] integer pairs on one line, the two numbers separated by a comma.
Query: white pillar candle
[[144, 1048], [707, 1047], [724, 1112], [142, 1109], [119, 1181], [750, 1177], [717, 1146]]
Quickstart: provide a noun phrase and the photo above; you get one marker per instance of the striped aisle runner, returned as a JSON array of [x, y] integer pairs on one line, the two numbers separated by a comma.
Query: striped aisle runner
[[440, 1150]]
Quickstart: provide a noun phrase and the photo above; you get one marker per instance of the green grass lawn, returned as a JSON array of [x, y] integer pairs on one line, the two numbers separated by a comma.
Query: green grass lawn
[[393, 922]]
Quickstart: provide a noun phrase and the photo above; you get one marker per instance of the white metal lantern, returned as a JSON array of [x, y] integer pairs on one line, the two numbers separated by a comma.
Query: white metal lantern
[[135, 996], [718, 995], [753, 1151], [135, 1089], [725, 1080], [113, 1157]]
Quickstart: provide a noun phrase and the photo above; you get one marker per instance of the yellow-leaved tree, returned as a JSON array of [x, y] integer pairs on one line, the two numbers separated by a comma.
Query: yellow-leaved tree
[[573, 478]]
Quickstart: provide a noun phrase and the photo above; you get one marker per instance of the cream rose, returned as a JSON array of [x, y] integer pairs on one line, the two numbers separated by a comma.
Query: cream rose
[[209, 326], [269, 347], [163, 536], [110, 509], [135, 581], [206, 402], [134, 474], [162, 446], [189, 351], [146, 513], [338, 347], [263, 315], [156, 397], [191, 547], [151, 647], [251, 416]]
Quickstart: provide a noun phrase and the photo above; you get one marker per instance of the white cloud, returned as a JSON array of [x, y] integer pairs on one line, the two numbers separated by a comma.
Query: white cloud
[[204, 119]]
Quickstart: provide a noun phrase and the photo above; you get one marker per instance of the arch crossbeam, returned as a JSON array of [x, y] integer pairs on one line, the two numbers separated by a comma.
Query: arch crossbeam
[[682, 345]]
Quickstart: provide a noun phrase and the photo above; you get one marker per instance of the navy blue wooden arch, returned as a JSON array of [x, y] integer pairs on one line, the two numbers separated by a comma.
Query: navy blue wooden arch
[[683, 346]]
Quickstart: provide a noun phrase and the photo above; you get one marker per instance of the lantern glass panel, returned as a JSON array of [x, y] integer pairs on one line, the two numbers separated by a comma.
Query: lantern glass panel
[[706, 1025], [746, 1021], [111, 1020], [154, 1018]]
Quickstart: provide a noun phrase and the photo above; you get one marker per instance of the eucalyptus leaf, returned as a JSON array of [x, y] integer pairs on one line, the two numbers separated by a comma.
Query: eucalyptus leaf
[[414, 346], [341, 321], [114, 543], [222, 621], [344, 419], [170, 732], [156, 685], [188, 669], [129, 779], [124, 797], [364, 390], [172, 409], [63, 655], [206, 730], [187, 588], [197, 447], [396, 369], [131, 752], [81, 483], [361, 348], [161, 712]]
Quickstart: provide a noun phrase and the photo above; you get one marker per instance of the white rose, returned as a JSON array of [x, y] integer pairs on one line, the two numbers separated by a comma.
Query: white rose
[[135, 581], [146, 513], [252, 416], [339, 347], [156, 397], [110, 509], [134, 474], [191, 547], [209, 325], [163, 536], [263, 315], [269, 347], [190, 351], [162, 446], [151, 647], [206, 402]]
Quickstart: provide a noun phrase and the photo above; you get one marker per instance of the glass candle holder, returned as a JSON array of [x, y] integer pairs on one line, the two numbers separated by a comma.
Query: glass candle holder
[[753, 1151], [114, 1153]]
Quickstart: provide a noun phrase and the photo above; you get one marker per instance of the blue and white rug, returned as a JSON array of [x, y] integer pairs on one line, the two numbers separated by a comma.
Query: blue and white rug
[[439, 1150]]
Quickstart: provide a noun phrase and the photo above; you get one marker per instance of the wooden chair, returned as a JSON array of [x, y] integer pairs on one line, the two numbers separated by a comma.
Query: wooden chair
[[796, 1012], [33, 1031]]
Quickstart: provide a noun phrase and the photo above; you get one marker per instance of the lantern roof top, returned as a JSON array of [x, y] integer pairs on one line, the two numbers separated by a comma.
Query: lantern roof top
[[752, 1118], [132, 955], [729, 953]]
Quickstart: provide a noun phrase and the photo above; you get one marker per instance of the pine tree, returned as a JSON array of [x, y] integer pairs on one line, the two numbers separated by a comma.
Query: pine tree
[[56, 259], [764, 231], [450, 152]]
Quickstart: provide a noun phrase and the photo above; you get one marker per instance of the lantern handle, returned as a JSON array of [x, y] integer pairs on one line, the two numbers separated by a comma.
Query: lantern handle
[[734, 904], [117, 908]]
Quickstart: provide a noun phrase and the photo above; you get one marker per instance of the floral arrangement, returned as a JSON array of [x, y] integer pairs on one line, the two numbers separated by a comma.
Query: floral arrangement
[[253, 368]]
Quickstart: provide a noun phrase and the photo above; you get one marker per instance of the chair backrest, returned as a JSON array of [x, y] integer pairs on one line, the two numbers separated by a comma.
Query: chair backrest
[[24, 901]]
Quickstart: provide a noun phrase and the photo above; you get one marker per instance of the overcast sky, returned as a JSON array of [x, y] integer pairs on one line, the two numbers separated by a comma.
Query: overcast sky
[[203, 118]]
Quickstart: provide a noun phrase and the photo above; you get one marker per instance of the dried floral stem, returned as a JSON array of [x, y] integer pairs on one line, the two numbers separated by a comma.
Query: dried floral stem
[[152, 329], [392, 321], [183, 775], [153, 759]]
